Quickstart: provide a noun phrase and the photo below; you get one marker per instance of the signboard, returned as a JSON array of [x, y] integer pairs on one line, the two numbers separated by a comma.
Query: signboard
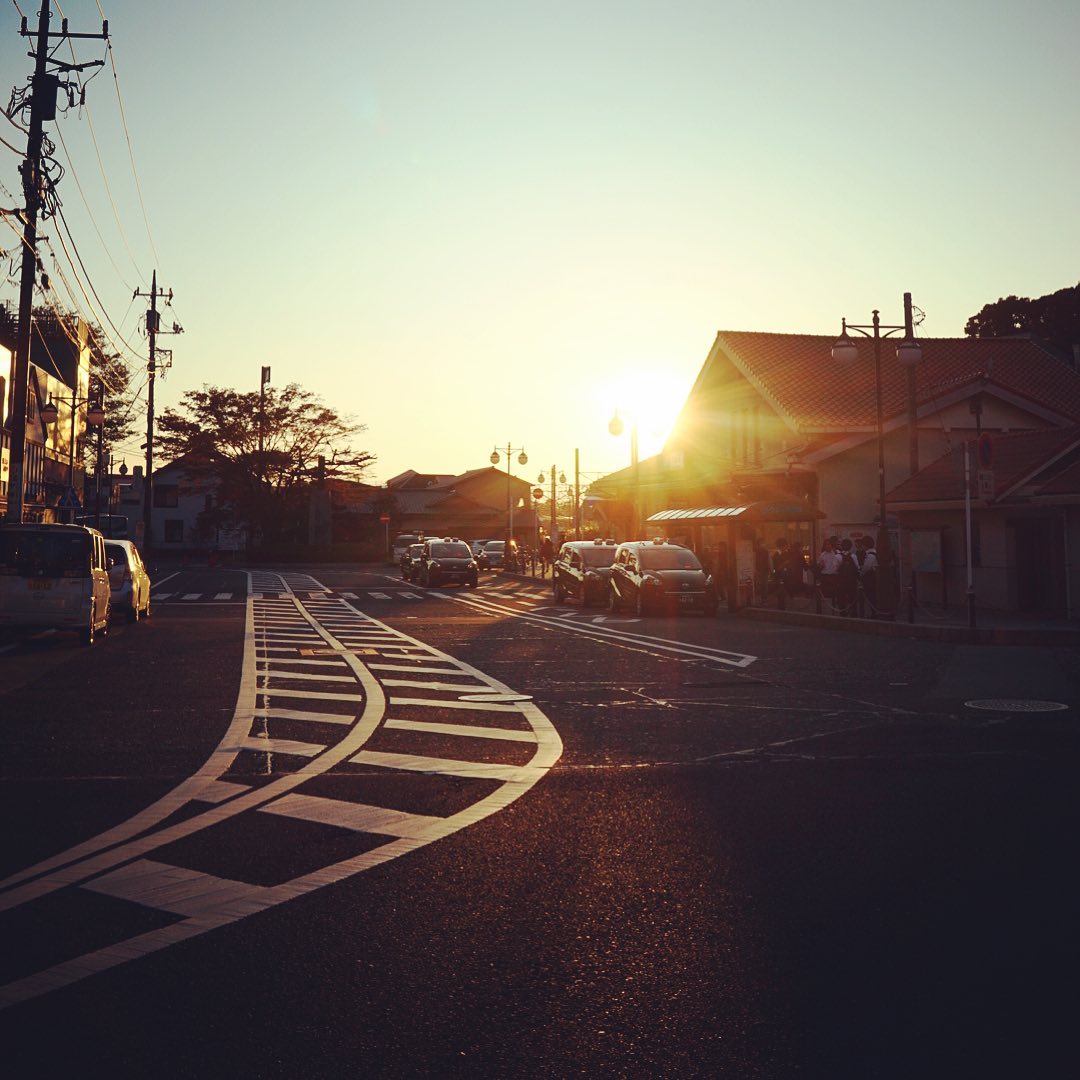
[[986, 484], [384, 518], [926, 551]]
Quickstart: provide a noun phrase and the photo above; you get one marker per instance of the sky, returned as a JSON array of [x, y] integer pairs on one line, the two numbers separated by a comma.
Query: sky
[[475, 224]]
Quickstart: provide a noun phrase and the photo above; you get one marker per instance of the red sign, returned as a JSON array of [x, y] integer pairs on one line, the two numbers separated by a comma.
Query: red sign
[[384, 518], [538, 493]]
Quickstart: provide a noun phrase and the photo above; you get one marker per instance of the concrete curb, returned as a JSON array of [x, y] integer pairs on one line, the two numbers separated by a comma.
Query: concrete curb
[[961, 635]]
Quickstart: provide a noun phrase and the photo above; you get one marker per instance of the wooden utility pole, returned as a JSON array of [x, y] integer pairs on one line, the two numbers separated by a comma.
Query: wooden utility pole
[[153, 328], [44, 87]]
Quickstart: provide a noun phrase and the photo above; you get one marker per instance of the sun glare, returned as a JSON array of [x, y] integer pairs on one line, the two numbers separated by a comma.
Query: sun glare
[[650, 399]]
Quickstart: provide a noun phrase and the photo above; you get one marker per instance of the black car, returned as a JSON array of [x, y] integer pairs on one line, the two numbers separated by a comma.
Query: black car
[[447, 562], [410, 562], [583, 570], [656, 575], [491, 554]]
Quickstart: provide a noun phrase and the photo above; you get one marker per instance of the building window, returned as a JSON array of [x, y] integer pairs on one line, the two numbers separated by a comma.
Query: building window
[[174, 532], [166, 495]]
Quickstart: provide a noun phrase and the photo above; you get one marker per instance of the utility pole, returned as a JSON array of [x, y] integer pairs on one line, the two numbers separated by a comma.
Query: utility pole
[[153, 328], [44, 87]]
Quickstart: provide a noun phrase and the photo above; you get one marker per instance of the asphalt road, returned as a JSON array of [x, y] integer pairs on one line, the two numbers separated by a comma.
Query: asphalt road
[[470, 833]]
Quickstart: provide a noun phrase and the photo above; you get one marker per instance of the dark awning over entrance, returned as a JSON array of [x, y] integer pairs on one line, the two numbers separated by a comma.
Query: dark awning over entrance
[[751, 512]]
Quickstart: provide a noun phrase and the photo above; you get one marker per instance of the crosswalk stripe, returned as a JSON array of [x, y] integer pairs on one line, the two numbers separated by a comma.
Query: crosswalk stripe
[[172, 888], [475, 770], [282, 746], [420, 684], [192, 596], [304, 714], [346, 815], [318, 695], [223, 596], [507, 734]]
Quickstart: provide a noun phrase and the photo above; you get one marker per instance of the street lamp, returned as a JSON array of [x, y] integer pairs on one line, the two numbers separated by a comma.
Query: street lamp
[[617, 427], [909, 353], [95, 416], [523, 459]]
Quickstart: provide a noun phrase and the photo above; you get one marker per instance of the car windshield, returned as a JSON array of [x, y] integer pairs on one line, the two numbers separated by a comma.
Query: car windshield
[[450, 551], [416, 549], [495, 545], [666, 558], [598, 556], [33, 553]]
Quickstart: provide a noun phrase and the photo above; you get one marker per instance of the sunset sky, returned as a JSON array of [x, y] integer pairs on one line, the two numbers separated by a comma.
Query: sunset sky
[[468, 224]]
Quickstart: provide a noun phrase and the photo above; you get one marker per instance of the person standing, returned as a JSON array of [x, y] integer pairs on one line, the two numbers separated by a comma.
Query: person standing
[[847, 580], [827, 568]]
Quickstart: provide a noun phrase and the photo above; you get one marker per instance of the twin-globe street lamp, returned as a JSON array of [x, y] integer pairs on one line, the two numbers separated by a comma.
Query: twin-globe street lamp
[[554, 503], [909, 353], [523, 459]]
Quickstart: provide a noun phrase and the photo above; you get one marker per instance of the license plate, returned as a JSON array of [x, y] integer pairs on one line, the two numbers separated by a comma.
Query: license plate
[[34, 586], [687, 599]]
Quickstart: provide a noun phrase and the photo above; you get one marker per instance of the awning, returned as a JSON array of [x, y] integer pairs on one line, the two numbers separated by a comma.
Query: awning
[[751, 512]]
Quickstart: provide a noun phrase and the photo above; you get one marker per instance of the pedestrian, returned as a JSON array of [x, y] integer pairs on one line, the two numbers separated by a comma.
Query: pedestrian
[[547, 555], [794, 571], [847, 580], [827, 567]]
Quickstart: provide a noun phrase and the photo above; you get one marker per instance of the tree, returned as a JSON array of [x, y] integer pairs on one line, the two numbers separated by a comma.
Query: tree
[[1055, 318], [218, 432]]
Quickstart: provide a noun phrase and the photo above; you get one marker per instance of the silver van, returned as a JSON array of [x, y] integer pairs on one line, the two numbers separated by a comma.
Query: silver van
[[54, 577]]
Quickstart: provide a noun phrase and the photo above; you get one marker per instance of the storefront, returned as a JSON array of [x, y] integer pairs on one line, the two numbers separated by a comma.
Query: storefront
[[728, 539]]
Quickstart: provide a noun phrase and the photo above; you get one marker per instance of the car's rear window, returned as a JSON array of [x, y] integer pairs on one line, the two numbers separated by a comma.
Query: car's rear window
[[33, 553], [663, 558], [116, 552], [598, 556], [451, 551], [495, 545]]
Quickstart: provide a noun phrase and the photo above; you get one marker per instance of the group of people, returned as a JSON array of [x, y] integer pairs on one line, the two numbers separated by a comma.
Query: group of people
[[839, 569]]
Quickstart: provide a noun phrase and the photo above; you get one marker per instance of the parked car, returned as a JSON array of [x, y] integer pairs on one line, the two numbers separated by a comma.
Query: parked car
[[54, 576], [447, 562], [476, 546], [491, 555], [410, 562], [128, 579], [657, 575], [402, 543], [583, 571]]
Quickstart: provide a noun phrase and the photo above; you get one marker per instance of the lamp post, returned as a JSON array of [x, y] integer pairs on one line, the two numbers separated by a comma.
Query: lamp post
[[554, 501], [909, 353], [616, 427], [95, 416], [523, 459]]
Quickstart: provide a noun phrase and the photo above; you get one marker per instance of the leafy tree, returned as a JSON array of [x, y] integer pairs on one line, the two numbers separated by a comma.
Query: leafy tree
[[1055, 318], [218, 432]]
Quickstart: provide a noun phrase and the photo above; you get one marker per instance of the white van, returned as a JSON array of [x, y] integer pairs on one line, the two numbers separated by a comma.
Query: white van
[[54, 577]]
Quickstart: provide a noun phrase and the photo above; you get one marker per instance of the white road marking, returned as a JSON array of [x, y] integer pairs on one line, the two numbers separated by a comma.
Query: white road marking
[[281, 746], [191, 595], [171, 888], [305, 714], [379, 595], [419, 684], [350, 815], [472, 770], [443, 703], [467, 730], [223, 596]]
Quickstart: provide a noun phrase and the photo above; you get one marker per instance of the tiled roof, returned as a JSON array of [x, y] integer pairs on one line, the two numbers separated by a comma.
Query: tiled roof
[[1015, 457], [1066, 482], [797, 374]]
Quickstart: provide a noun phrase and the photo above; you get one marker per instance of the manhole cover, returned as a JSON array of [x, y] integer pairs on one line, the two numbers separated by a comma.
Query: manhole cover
[[1014, 705]]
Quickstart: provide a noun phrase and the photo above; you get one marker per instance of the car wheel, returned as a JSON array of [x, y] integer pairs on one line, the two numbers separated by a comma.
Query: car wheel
[[133, 611], [560, 593]]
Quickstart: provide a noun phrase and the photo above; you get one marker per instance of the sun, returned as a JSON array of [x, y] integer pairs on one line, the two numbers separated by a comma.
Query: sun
[[649, 398]]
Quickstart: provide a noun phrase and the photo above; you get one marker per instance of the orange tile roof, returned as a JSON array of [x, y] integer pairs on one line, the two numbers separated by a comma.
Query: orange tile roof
[[1016, 457], [797, 374]]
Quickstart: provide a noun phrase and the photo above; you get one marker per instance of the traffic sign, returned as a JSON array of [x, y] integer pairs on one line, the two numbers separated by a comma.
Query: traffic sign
[[384, 518]]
